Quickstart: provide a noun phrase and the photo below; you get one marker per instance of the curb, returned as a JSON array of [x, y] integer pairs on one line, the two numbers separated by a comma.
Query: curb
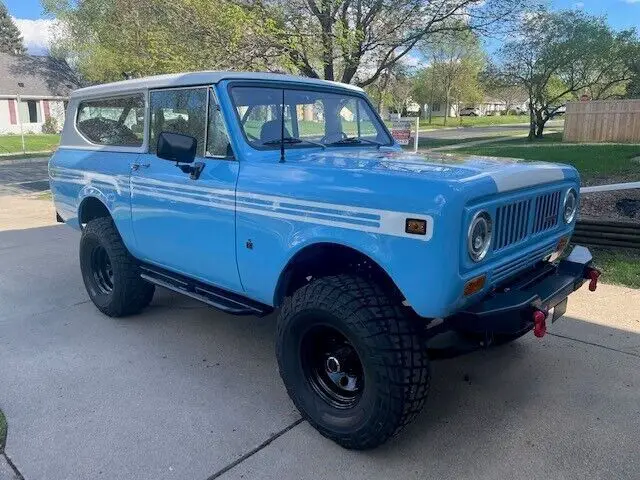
[[17, 161]]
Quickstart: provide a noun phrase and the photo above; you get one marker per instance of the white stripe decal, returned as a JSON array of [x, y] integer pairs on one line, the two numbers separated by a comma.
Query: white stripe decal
[[351, 217], [507, 179]]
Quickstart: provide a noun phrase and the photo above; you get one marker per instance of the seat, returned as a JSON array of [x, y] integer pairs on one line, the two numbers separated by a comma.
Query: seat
[[272, 130]]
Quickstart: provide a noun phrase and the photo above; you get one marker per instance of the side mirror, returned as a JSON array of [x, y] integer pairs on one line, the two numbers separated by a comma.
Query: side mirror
[[177, 147]]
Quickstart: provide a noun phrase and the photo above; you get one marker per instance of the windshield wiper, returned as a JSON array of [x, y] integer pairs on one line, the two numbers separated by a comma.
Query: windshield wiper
[[293, 141], [350, 140]]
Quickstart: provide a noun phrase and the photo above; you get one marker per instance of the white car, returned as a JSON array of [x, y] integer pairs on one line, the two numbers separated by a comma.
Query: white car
[[470, 112]]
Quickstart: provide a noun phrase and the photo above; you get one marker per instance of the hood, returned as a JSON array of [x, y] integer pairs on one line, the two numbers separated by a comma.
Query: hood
[[506, 173]]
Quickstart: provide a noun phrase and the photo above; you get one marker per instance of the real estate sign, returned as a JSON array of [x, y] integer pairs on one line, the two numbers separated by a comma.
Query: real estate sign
[[401, 130]]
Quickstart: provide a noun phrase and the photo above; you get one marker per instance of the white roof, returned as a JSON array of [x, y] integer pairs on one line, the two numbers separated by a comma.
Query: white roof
[[198, 78]]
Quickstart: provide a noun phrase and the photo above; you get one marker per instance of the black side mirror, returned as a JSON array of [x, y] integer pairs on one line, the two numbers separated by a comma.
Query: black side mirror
[[177, 147]]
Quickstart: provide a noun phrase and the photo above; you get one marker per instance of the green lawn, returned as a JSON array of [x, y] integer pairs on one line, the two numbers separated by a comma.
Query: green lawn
[[3, 431], [594, 162], [618, 266], [33, 143], [438, 122]]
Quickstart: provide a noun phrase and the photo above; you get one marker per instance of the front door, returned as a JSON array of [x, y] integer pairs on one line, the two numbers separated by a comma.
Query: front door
[[183, 224]]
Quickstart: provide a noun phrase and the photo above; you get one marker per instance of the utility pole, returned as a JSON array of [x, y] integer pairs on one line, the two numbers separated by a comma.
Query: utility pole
[[24, 150]]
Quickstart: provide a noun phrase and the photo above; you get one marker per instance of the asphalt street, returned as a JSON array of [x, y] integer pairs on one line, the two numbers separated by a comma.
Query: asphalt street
[[481, 131], [185, 392]]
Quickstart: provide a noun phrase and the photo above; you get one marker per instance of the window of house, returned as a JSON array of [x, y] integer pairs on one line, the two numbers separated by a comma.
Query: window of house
[[30, 111], [181, 111], [117, 121]]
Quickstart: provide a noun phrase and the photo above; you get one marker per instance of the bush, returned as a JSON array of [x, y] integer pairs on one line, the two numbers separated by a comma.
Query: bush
[[50, 125]]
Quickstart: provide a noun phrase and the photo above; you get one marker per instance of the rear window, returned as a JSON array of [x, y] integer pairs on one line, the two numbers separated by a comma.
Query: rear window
[[117, 121]]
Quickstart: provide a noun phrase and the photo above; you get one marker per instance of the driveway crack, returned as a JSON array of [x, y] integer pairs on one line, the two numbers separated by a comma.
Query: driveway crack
[[594, 344], [12, 466], [255, 450]]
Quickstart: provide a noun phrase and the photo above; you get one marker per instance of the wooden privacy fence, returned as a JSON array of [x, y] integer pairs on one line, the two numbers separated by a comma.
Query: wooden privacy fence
[[603, 121]]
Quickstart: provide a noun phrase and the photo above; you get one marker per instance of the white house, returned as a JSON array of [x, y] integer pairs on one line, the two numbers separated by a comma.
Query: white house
[[32, 89]]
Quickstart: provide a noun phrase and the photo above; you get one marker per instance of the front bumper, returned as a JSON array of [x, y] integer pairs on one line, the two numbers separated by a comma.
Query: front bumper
[[517, 307]]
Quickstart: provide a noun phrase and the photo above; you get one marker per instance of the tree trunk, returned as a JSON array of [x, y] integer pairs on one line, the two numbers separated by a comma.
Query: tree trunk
[[532, 121], [446, 108], [540, 121]]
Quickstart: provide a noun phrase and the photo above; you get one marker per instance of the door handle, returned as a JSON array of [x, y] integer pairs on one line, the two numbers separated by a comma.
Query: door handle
[[138, 166]]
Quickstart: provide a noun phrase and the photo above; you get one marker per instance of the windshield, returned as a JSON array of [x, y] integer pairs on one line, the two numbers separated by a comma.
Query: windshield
[[311, 118]]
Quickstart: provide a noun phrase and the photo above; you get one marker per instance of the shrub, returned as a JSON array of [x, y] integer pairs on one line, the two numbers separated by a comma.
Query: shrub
[[50, 125]]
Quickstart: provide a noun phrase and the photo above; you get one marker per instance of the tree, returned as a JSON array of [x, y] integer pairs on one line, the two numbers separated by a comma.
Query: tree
[[557, 55], [117, 39], [427, 89], [10, 38], [494, 85], [633, 87], [456, 59], [356, 41]]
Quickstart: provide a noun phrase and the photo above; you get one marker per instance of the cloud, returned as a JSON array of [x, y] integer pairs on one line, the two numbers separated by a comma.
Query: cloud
[[578, 5], [631, 1], [37, 34]]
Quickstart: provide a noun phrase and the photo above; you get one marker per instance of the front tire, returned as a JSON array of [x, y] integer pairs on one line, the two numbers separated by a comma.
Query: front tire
[[110, 274], [352, 362]]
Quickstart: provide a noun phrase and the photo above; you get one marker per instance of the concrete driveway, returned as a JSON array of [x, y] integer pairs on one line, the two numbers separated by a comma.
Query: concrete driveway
[[185, 392]]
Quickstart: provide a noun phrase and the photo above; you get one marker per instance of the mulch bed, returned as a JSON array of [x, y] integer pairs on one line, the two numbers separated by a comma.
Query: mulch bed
[[621, 205]]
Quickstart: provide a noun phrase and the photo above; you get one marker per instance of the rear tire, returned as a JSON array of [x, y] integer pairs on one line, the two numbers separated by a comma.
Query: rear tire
[[110, 274], [351, 361]]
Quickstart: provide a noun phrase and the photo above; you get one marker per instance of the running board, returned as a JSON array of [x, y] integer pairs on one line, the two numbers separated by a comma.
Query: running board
[[228, 302]]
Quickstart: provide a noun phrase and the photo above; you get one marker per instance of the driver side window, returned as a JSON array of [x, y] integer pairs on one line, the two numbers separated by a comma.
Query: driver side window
[[183, 111]]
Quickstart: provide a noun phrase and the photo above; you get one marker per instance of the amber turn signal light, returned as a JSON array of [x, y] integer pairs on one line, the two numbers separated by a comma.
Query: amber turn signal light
[[415, 226], [474, 285]]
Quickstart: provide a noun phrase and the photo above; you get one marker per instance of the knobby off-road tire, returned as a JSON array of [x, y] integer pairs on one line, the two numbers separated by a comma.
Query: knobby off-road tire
[[395, 367], [110, 274]]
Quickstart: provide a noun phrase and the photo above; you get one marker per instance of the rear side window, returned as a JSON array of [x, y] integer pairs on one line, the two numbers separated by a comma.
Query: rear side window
[[116, 121], [181, 111]]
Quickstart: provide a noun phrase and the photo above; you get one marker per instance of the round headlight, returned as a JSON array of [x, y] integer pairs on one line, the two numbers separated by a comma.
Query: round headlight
[[570, 206], [479, 237]]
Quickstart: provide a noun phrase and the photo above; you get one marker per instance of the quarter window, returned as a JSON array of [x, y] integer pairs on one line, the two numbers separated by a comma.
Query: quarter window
[[218, 144], [181, 111], [117, 121]]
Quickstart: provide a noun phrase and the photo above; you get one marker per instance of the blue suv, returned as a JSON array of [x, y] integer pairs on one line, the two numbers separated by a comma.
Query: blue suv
[[255, 192]]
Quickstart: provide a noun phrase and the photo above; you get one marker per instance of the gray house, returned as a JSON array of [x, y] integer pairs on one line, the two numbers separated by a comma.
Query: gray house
[[32, 89]]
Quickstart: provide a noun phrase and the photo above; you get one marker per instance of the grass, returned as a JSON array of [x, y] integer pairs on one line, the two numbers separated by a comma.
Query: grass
[[619, 266], [45, 195], [438, 122], [605, 161], [3, 432], [33, 143]]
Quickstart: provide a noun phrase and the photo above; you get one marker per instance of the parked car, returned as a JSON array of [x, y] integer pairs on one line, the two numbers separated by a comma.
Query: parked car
[[470, 112], [262, 192]]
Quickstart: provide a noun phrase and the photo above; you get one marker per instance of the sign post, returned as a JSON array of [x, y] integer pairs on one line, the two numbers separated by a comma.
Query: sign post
[[401, 131]]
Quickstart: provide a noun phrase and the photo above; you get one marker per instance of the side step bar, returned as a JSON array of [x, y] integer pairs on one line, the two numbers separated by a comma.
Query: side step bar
[[216, 297]]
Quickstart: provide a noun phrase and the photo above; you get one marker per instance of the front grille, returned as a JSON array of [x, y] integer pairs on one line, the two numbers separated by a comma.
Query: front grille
[[547, 206], [512, 221]]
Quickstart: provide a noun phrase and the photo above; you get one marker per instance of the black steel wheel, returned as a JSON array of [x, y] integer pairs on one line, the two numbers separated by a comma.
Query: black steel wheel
[[332, 366], [102, 270], [352, 363], [110, 274]]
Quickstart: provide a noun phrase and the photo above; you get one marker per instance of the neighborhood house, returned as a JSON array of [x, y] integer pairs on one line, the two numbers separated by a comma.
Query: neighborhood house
[[32, 90]]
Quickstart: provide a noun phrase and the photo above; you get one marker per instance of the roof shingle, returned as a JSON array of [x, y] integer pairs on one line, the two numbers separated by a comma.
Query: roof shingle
[[41, 76]]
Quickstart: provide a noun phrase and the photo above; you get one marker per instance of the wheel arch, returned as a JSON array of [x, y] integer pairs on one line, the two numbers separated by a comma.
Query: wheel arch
[[90, 208], [329, 258]]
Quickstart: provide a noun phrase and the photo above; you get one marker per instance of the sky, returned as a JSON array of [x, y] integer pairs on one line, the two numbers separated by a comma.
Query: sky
[[34, 26]]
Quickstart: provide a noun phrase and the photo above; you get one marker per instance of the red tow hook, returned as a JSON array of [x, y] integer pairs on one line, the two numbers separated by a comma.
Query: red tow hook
[[592, 274], [539, 323]]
